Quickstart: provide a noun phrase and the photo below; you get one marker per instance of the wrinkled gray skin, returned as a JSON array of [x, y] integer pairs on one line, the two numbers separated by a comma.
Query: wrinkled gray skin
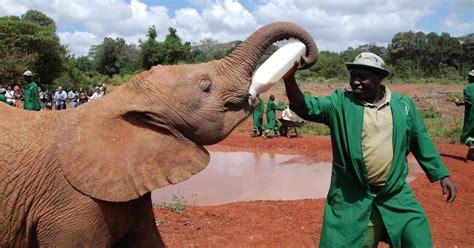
[[83, 177]]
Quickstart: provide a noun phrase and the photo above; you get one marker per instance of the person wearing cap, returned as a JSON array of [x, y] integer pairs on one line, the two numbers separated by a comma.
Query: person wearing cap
[[467, 134], [31, 93], [372, 132]]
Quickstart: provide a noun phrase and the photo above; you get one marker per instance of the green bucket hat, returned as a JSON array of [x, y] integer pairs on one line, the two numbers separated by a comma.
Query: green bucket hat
[[370, 61]]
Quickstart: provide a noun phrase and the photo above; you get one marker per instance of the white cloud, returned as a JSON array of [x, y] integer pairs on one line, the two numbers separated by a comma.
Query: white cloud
[[467, 5], [335, 24], [79, 42], [9, 7], [456, 26]]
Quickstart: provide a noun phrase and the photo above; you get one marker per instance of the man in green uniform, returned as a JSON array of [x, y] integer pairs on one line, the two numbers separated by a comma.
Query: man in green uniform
[[258, 118], [272, 123], [467, 135], [372, 132], [31, 93], [2, 94]]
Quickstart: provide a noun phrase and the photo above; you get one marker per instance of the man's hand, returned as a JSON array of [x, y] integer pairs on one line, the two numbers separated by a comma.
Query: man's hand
[[290, 75], [449, 189]]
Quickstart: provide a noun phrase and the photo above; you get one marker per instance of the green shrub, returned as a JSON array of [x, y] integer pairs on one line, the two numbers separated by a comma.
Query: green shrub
[[448, 127], [430, 112], [176, 204], [315, 129], [453, 97]]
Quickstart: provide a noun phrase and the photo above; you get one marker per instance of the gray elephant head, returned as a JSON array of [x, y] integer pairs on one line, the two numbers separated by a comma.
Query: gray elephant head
[[150, 131]]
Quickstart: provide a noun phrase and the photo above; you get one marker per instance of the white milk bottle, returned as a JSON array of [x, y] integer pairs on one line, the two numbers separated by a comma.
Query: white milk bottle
[[276, 66]]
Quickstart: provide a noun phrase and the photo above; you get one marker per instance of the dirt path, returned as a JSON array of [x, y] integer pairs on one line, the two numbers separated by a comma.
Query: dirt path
[[298, 223]]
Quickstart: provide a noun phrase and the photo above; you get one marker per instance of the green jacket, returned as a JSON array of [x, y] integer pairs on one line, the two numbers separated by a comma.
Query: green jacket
[[349, 200], [271, 114], [3, 98], [258, 114], [31, 97], [468, 127]]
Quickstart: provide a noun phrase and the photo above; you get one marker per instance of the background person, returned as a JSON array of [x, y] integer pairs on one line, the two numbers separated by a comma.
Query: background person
[[97, 94], [60, 98], [257, 117], [72, 96], [272, 122], [18, 93], [31, 94], [10, 95], [82, 96], [467, 134], [372, 132], [2, 94]]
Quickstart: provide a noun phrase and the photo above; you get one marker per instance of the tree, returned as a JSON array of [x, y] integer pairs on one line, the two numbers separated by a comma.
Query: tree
[[39, 18], [151, 51], [330, 65], [429, 54], [467, 57], [175, 50], [170, 51], [25, 44], [114, 56]]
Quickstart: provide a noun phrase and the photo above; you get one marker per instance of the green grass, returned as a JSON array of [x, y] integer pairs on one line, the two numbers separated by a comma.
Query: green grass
[[446, 127], [430, 112], [176, 204], [453, 97], [314, 129]]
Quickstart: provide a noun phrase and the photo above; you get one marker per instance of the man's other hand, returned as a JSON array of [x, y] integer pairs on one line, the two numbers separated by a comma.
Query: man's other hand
[[449, 189]]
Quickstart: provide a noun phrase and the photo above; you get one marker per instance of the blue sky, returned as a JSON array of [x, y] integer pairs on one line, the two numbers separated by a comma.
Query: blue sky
[[335, 24]]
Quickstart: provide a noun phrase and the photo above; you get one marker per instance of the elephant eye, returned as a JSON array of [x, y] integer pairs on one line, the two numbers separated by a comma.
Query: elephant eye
[[205, 84]]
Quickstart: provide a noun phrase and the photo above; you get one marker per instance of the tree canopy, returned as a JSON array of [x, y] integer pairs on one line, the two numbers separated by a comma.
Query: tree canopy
[[30, 42]]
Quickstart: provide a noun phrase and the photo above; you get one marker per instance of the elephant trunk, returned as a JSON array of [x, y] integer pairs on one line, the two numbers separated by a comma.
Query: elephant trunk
[[245, 57]]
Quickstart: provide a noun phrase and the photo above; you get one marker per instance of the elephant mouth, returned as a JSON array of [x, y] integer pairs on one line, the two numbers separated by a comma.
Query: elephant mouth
[[247, 103]]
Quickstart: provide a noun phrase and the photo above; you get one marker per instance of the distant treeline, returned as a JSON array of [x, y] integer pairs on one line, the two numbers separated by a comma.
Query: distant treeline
[[30, 42]]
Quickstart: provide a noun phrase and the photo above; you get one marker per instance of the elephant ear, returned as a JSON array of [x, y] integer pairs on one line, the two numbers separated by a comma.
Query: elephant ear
[[116, 160]]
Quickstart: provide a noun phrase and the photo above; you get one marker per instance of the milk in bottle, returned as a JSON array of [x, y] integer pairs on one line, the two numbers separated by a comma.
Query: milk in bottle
[[276, 66]]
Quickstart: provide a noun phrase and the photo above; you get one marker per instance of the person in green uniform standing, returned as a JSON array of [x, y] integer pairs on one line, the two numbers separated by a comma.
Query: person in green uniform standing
[[372, 132], [257, 117], [2, 94], [467, 134], [31, 93], [272, 123]]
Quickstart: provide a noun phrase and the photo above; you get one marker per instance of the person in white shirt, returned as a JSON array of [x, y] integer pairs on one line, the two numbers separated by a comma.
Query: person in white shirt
[[60, 98], [72, 96], [10, 95]]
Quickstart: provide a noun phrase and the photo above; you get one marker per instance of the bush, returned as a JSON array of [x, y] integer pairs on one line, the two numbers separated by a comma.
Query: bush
[[176, 204], [430, 112], [448, 128], [315, 129]]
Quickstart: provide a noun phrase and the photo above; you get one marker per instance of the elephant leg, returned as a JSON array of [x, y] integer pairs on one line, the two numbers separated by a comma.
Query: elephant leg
[[144, 233], [68, 229]]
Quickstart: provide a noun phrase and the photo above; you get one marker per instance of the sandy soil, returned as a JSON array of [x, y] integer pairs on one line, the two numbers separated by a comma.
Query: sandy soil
[[298, 223]]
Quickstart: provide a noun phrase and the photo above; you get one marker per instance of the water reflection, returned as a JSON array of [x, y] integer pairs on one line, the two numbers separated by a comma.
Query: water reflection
[[243, 176]]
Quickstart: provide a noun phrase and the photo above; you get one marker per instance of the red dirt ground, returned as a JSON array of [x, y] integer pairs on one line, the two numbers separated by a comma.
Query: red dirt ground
[[298, 223]]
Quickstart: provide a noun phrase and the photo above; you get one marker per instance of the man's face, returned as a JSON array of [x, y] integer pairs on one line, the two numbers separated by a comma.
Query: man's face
[[27, 78], [471, 79], [364, 83]]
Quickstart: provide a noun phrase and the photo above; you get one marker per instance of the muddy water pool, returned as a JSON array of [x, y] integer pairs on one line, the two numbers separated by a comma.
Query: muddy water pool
[[245, 176]]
